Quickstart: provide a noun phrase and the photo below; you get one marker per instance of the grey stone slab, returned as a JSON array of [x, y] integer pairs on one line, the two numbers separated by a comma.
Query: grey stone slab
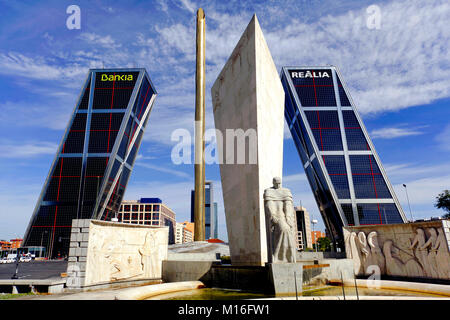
[[74, 244], [75, 230], [86, 223], [73, 252], [287, 278], [85, 237], [83, 252], [75, 223], [84, 244]]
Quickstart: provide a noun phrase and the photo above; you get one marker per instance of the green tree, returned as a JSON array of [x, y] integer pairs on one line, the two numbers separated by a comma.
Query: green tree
[[443, 202], [324, 244]]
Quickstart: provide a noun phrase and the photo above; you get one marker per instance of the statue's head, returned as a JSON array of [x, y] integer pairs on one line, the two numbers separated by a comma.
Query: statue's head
[[276, 182]]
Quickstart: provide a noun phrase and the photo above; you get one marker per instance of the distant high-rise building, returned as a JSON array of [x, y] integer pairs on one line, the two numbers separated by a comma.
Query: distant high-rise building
[[343, 169], [211, 231], [183, 234], [302, 228], [89, 174], [148, 211]]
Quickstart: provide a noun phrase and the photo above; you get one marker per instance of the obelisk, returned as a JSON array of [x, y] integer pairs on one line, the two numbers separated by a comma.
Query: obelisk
[[248, 101], [199, 165]]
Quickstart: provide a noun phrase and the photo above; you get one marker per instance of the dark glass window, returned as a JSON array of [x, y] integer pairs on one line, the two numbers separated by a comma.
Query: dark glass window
[[65, 180], [367, 178], [338, 175], [289, 103], [134, 149], [353, 132], [142, 100], [125, 139], [345, 101], [75, 138], [74, 142], [95, 166], [103, 131], [378, 213], [126, 207], [348, 212], [85, 99], [326, 130]]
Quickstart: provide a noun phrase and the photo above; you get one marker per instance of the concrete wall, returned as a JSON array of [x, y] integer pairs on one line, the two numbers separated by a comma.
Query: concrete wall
[[248, 95], [104, 252], [413, 250]]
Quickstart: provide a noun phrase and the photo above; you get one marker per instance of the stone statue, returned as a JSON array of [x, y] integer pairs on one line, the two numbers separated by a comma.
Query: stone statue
[[279, 210]]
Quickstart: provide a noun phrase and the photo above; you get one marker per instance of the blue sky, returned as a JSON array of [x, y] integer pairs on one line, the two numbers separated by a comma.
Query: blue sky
[[398, 76]]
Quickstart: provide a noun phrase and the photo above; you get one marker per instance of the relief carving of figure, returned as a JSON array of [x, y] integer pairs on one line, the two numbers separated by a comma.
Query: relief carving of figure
[[365, 251], [421, 254], [148, 254], [279, 210], [355, 254], [394, 266], [376, 256], [431, 257], [442, 255]]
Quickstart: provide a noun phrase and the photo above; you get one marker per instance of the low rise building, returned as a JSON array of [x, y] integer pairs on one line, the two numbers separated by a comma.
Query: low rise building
[[5, 245], [148, 211], [16, 243]]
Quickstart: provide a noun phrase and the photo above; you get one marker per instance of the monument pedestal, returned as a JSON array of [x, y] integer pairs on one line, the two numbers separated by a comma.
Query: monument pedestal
[[286, 278]]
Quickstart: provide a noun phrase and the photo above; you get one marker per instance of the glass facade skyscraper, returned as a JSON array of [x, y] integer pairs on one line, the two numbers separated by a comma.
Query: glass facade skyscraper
[[89, 174], [344, 171], [211, 223]]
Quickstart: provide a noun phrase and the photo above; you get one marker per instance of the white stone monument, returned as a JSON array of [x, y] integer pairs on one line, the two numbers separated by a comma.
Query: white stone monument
[[103, 252], [248, 100]]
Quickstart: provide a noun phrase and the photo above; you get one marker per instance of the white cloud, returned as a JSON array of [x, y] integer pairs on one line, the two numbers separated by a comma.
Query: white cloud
[[188, 5], [443, 138], [12, 149], [13, 63], [177, 173], [395, 132], [105, 41]]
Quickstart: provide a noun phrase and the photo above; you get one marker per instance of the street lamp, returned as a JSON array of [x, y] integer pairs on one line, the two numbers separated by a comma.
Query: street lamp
[[40, 249], [407, 197], [314, 241], [16, 273]]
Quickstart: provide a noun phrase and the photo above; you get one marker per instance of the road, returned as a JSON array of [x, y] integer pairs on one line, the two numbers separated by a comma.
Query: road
[[34, 269]]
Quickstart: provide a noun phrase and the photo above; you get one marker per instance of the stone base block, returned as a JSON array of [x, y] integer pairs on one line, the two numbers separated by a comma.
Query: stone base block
[[286, 278]]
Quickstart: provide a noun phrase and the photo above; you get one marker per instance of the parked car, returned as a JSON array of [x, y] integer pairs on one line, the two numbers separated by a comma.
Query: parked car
[[25, 259], [3, 260]]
